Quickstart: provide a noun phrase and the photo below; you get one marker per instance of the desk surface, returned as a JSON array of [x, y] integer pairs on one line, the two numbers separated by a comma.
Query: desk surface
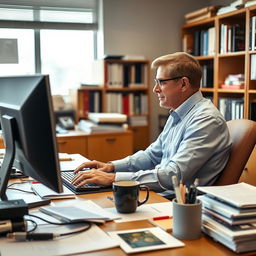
[[203, 246]]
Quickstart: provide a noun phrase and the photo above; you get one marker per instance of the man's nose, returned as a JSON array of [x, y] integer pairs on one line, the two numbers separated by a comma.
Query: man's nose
[[156, 88]]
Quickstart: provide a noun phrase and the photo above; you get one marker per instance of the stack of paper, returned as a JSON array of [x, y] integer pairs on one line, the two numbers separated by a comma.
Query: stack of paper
[[229, 215], [45, 192], [90, 127], [107, 117], [79, 211]]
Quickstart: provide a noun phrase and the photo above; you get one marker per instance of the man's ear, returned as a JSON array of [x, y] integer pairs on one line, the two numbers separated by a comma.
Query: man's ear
[[185, 83]]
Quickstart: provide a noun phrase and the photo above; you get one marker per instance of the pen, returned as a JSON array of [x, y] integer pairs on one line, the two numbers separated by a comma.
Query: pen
[[35, 182], [192, 193], [162, 218], [177, 190], [65, 159]]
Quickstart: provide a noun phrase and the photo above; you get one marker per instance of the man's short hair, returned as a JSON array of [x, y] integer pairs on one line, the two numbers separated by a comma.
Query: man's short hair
[[181, 64]]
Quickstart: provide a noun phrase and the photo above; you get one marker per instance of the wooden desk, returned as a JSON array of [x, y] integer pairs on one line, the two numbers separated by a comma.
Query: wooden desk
[[204, 246], [102, 146]]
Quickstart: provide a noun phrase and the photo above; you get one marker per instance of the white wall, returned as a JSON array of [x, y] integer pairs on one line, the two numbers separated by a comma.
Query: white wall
[[147, 27]]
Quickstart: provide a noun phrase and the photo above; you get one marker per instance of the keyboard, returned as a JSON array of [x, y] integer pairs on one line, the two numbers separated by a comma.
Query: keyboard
[[67, 178]]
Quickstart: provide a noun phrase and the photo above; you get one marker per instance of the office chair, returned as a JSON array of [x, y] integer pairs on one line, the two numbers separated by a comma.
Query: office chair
[[243, 136]]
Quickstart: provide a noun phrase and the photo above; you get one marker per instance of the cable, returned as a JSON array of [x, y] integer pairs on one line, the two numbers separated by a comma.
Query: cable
[[34, 225], [25, 236], [55, 223], [28, 236], [18, 189], [22, 190]]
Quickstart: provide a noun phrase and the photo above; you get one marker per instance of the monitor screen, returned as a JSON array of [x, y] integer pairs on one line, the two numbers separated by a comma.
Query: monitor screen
[[27, 120]]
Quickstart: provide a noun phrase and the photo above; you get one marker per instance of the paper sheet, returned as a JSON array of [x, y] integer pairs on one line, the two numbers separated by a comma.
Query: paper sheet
[[73, 164], [93, 239], [145, 211], [78, 210]]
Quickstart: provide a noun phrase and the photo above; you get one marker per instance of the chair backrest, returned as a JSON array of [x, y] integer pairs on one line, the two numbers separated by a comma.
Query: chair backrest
[[243, 136]]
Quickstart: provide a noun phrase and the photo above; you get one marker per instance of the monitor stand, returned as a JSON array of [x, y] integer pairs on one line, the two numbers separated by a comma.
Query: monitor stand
[[8, 124]]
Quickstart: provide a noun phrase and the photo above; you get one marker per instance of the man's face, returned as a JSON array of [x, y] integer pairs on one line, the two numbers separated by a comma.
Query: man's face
[[169, 92]]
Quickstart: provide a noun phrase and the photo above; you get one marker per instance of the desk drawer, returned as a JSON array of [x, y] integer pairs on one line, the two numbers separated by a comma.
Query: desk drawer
[[72, 145], [109, 147]]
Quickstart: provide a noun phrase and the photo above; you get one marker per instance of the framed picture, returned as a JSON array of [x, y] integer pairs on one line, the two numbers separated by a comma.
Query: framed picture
[[147, 239]]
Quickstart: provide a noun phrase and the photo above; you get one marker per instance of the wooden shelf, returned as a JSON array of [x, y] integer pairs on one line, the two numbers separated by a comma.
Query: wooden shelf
[[228, 58], [231, 54], [231, 90], [207, 89], [125, 90]]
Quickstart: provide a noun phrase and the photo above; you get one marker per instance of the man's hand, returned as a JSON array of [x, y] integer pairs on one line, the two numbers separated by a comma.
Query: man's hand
[[94, 176], [104, 167]]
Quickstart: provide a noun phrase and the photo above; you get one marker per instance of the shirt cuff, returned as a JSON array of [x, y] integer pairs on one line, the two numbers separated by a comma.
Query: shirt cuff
[[120, 165], [123, 176]]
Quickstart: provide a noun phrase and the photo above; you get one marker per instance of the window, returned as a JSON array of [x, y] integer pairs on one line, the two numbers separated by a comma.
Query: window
[[65, 55], [26, 49], [54, 40]]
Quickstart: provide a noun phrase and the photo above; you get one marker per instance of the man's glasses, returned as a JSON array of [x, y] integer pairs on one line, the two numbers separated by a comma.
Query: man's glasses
[[161, 81]]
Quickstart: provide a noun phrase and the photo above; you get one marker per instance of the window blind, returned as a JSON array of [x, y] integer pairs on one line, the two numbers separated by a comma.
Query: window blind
[[54, 14]]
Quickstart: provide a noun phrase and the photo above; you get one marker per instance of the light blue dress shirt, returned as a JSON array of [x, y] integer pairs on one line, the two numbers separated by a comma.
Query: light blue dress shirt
[[194, 143]]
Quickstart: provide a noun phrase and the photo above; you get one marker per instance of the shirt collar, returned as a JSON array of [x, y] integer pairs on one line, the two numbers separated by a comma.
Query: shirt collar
[[186, 106]]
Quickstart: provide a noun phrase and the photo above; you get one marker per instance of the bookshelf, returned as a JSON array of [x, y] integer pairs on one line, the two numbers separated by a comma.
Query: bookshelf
[[233, 52], [125, 89]]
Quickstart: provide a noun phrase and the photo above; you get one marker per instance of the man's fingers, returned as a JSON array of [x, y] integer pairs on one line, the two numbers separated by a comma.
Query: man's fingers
[[91, 164], [81, 176], [83, 182]]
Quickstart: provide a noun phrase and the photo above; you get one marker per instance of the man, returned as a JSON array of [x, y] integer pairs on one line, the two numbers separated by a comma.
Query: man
[[194, 143]]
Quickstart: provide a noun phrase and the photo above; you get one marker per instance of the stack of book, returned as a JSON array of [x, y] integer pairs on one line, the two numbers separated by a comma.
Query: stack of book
[[104, 122], [237, 4], [234, 81], [229, 215], [200, 14]]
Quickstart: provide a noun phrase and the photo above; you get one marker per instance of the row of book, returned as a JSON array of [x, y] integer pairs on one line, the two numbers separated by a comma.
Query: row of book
[[204, 42], [231, 108], [252, 110], [127, 103], [207, 76], [229, 215], [91, 102], [253, 67], [232, 38], [129, 75], [252, 35]]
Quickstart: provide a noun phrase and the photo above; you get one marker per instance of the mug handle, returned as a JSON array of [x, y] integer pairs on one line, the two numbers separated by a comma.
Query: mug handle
[[143, 187]]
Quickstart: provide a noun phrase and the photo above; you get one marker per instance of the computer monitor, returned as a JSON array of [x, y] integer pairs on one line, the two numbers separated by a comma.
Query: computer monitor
[[27, 120]]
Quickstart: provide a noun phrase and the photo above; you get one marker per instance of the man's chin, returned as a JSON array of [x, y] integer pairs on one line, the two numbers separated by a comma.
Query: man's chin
[[162, 105]]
